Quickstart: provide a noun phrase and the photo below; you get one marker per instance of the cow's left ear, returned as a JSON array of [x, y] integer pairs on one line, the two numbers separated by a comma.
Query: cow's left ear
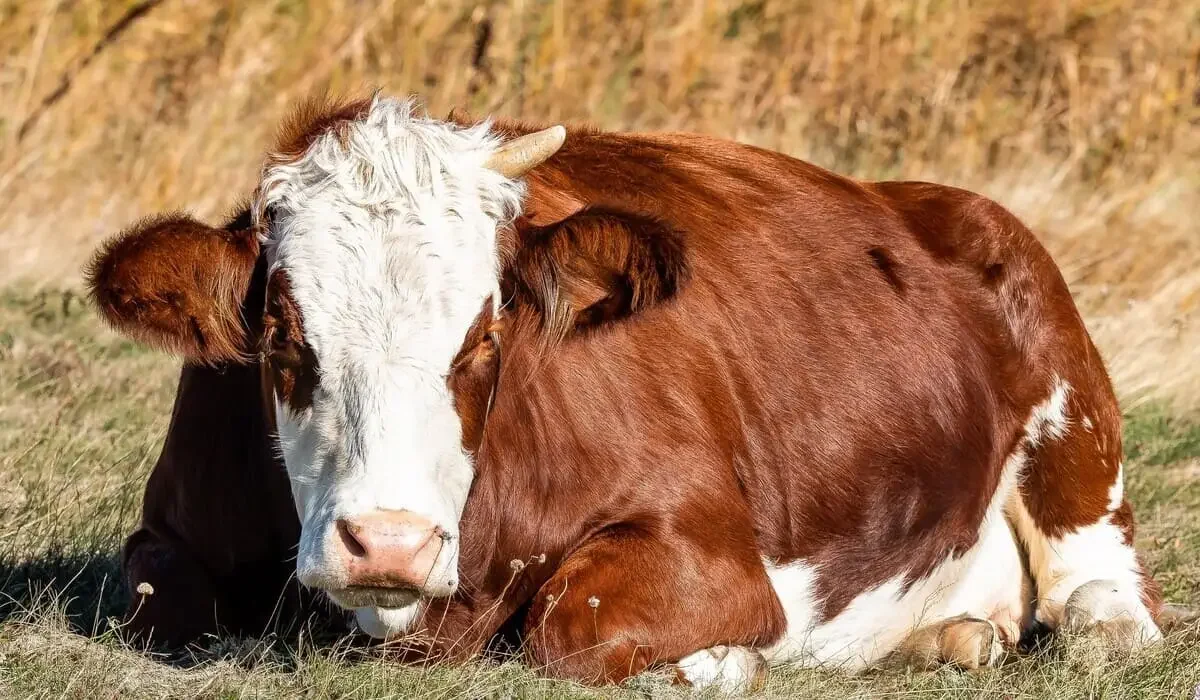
[[594, 267]]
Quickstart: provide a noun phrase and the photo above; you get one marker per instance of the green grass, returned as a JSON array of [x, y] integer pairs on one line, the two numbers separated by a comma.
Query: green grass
[[82, 415]]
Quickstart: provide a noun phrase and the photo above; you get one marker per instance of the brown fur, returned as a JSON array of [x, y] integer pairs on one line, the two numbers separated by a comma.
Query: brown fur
[[473, 376], [312, 118], [291, 361], [593, 267], [712, 353], [174, 283]]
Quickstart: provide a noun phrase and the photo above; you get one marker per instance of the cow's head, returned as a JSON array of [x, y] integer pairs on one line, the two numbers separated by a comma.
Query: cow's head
[[376, 230]]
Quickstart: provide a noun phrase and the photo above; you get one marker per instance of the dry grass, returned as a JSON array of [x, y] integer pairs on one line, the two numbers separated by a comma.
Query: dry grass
[[1081, 116]]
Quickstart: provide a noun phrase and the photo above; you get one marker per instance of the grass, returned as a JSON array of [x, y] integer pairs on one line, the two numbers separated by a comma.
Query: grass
[[82, 420], [1079, 115]]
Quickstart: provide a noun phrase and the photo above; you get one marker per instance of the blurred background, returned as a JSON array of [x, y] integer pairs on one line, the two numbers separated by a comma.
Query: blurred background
[[1082, 117]]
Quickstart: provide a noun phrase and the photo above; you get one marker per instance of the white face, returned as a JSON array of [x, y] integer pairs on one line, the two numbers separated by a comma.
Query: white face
[[386, 233]]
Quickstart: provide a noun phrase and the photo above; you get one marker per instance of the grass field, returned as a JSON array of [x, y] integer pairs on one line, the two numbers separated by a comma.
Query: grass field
[[1082, 116]]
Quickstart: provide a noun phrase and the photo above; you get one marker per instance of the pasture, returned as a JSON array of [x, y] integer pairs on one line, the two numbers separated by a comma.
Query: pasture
[[1082, 117]]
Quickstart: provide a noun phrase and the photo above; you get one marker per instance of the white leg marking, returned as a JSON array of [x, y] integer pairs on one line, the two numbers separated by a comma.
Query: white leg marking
[[729, 669], [1091, 554], [1093, 561]]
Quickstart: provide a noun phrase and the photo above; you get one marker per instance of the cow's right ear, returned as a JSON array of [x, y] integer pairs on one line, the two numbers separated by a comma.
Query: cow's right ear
[[177, 284]]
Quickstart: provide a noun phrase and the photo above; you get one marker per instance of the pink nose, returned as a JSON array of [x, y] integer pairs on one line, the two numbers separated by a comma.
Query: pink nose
[[390, 549]]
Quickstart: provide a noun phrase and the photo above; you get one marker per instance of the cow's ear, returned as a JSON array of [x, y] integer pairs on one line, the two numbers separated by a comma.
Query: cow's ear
[[594, 267], [177, 284]]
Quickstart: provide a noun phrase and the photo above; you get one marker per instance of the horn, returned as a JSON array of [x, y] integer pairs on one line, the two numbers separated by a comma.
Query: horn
[[522, 154]]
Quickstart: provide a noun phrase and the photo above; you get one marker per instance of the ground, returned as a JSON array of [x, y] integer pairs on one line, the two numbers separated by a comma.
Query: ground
[[81, 422]]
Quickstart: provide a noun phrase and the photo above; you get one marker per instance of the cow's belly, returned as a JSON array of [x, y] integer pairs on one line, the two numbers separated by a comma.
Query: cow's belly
[[987, 582]]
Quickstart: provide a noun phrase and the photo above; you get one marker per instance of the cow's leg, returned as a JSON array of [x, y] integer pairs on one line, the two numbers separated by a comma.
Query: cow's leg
[[627, 600], [175, 599], [1077, 526], [963, 641]]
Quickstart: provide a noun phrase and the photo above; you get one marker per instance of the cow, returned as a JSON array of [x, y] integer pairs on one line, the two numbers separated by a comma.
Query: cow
[[652, 400]]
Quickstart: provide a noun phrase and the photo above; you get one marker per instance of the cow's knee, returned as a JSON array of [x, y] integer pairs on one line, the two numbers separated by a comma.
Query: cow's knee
[[172, 601], [566, 643]]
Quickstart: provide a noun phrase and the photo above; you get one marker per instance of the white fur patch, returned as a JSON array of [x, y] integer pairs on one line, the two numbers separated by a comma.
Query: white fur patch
[[387, 235], [728, 669], [1116, 492], [986, 581], [1049, 421]]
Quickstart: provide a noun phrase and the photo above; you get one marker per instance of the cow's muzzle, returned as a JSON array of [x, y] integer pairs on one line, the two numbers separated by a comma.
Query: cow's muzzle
[[391, 558]]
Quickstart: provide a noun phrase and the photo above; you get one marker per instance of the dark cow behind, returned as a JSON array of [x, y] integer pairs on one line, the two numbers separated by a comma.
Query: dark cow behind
[[650, 399]]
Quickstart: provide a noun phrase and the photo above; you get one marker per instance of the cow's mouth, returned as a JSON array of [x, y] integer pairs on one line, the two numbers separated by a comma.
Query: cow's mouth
[[374, 596]]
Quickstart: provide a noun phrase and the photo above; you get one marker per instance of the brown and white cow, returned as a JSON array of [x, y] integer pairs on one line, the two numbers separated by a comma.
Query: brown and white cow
[[650, 398]]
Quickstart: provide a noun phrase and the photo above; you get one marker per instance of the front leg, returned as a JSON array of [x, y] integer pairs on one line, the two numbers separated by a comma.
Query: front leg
[[632, 598]]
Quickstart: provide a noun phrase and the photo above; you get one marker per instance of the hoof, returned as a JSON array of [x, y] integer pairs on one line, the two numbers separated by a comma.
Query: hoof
[[733, 670], [971, 643], [1102, 608]]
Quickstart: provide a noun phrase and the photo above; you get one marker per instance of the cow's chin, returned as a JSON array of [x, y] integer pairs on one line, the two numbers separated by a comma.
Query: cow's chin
[[373, 597], [386, 623]]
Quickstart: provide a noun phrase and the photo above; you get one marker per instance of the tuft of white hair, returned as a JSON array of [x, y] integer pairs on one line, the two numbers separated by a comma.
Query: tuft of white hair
[[396, 159]]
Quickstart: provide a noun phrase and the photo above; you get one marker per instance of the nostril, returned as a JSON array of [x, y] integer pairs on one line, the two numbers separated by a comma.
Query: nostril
[[348, 531]]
